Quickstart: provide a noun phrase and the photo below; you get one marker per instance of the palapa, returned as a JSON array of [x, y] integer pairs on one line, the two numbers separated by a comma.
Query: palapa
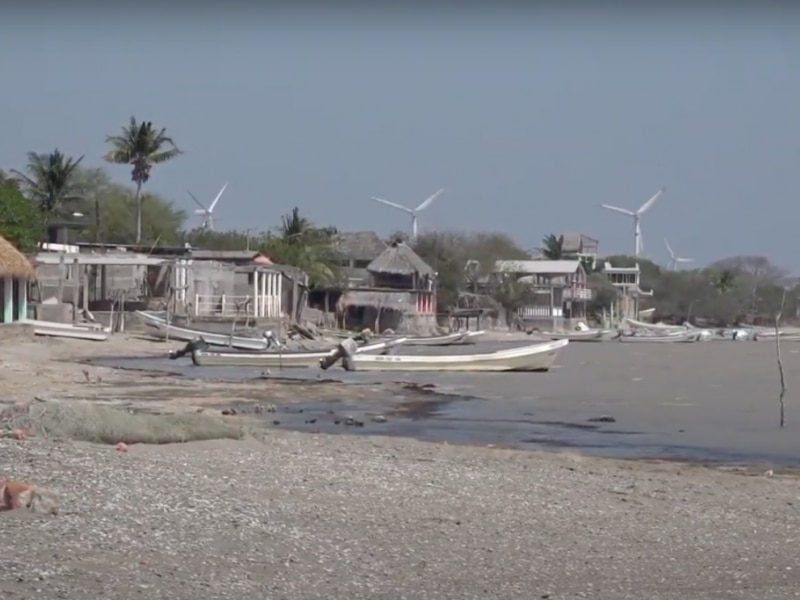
[[400, 259], [13, 263]]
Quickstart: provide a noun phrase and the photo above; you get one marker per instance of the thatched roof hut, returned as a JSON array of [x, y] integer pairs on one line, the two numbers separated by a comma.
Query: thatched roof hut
[[13, 263], [400, 259], [358, 245]]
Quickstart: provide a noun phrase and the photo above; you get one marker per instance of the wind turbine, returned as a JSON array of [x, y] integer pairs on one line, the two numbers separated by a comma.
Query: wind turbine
[[207, 213], [673, 264], [412, 211], [638, 244]]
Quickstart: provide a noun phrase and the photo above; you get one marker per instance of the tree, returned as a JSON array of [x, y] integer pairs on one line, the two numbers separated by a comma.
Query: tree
[[140, 145], [300, 243], [49, 180], [463, 259], [553, 247], [21, 221]]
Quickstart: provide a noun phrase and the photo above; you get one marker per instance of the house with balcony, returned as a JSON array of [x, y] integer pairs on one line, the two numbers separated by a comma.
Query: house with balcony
[[558, 289], [627, 281], [401, 294]]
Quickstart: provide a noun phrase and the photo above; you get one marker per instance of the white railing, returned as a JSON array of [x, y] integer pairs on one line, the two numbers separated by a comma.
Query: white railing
[[538, 312], [223, 305], [577, 294]]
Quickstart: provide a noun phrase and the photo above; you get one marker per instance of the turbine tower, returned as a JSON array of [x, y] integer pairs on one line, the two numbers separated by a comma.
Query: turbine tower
[[675, 260], [207, 213], [638, 243], [412, 211]]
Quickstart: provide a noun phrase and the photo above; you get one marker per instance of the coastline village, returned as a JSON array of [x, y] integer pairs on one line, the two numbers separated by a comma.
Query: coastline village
[[71, 272], [386, 285]]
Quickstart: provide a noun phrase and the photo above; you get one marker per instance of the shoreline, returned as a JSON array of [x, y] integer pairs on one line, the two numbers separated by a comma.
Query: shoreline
[[157, 389], [305, 516]]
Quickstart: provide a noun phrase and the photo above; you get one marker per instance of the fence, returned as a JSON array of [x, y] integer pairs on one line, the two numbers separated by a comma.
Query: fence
[[223, 305]]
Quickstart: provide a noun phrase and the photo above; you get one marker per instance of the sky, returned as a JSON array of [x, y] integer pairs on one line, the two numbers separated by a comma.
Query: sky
[[529, 118]]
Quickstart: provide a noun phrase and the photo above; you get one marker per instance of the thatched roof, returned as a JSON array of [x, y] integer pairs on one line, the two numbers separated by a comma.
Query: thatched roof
[[13, 263], [399, 259], [358, 245]]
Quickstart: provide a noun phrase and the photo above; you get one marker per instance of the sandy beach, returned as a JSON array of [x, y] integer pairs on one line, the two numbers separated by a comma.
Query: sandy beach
[[301, 516]]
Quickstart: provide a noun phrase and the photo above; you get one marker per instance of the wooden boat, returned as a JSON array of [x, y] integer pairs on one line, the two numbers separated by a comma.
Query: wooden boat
[[534, 357], [160, 329], [274, 359]]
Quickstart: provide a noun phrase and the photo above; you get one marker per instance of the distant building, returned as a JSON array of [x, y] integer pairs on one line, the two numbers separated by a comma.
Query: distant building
[[626, 280], [559, 287], [355, 251], [579, 244]]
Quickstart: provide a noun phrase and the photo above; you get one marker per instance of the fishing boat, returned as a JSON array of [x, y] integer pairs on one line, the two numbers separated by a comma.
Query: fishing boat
[[659, 327], [534, 357], [667, 338], [161, 329], [589, 335], [275, 359], [78, 331], [457, 337]]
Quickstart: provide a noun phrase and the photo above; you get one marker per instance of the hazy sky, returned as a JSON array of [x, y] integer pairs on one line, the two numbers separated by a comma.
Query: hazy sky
[[528, 118]]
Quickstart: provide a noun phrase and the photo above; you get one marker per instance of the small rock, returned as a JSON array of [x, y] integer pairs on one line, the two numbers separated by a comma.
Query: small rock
[[603, 419]]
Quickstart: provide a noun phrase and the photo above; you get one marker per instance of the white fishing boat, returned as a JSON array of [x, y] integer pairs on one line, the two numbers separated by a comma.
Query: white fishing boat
[[591, 335], [534, 357], [161, 329], [458, 337], [660, 327], [276, 359], [667, 338], [94, 334]]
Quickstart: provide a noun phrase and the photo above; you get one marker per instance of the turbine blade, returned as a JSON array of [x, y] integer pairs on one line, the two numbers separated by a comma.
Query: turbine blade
[[428, 201], [671, 253], [650, 202], [195, 200], [392, 204], [219, 195], [624, 211], [685, 259], [199, 211]]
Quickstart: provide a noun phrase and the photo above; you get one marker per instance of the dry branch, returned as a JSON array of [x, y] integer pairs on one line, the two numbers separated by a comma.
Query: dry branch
[[778, 317]]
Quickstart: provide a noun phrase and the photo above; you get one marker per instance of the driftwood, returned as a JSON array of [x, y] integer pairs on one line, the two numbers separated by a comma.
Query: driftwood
[[778, 317]]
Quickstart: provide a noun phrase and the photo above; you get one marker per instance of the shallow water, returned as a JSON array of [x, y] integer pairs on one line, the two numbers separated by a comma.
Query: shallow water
[[713, 401]]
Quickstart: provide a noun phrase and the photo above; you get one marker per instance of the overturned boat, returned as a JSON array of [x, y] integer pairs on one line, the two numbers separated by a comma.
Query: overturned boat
[[159, 328]]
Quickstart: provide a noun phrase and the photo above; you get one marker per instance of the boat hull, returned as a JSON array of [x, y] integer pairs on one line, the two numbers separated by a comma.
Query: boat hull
[[276, 360], [532, 358], [160, 329]]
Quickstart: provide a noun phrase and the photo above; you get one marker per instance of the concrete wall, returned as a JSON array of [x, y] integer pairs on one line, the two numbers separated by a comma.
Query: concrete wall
[[127, 278]]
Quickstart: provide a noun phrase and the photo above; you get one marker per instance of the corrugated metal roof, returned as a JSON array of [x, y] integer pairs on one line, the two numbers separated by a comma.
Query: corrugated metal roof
[[122, 258], [537, 267]]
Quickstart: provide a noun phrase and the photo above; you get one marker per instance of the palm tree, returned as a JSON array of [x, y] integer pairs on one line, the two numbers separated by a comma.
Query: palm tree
[[140, 145], [294, 227], [50, 179], [553, 247]]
